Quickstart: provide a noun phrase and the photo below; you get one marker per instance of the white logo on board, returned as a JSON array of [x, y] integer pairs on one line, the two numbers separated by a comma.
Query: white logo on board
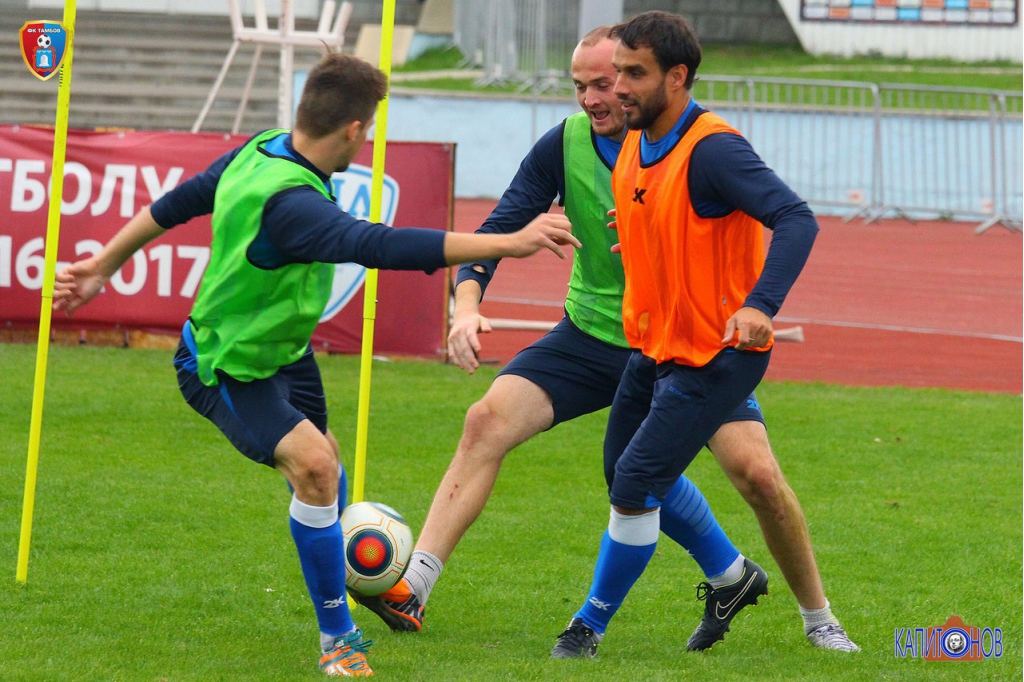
[[353, 191]]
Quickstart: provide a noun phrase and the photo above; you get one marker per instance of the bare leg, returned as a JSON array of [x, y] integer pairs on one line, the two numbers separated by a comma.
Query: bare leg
[[333, 443], [743, 452], [512, 411], [309, 461]]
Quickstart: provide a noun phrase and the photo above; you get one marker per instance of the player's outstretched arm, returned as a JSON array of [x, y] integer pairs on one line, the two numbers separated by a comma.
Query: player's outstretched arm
[[547, 231], [467, 322], [76, 284]]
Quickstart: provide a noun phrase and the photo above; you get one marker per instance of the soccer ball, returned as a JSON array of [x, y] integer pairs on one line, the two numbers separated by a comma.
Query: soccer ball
[[378, 544], [43, 41]]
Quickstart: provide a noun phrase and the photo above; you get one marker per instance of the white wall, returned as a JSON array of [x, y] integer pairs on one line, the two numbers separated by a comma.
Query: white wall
[[960, 42], [491, 135]]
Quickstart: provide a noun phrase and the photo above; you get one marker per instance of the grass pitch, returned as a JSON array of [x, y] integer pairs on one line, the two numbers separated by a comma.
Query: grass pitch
[[159, 553]]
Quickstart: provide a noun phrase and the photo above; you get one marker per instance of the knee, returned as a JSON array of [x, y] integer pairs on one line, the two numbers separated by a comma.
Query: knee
[[483, 423], [765, 481], [315, 475], [487, 435], [762, 484]]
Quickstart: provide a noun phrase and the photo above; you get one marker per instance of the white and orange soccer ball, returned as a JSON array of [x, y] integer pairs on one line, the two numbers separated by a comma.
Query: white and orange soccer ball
[[378, 544]]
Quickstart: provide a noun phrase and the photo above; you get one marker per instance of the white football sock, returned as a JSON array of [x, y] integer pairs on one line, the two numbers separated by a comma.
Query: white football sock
[[327, 641], [815, 618], [731, 574], [424, 570]]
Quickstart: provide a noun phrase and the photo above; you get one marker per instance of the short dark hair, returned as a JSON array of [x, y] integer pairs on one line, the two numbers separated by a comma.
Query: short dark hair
[[669, 36], [339, 90]]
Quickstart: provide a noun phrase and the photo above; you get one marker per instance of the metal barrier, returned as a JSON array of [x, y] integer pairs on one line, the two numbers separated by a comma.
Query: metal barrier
[[863, 148], [868, 150], [525, 41], [875, 149], [795, 126]]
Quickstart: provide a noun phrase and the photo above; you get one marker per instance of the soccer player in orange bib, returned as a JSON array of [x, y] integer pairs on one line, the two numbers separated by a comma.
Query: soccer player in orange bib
[[691, 197]]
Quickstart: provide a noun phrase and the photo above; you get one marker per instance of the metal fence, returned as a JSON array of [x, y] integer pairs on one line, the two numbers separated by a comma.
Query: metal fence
[[869, 150], [877, 149], [862, 149], [526, 41]]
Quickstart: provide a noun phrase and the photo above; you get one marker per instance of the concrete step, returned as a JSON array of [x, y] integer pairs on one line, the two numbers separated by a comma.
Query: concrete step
[[109, 64], [146, 71], [119, 23], [180, 32], [137, 90], [89, 116]]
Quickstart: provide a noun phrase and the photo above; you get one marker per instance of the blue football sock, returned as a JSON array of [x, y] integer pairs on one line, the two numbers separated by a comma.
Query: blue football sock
[[318, 538], [687, 519], [618, 566]]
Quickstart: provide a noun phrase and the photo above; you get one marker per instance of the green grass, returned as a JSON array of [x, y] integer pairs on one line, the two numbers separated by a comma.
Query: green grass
[[434, 59], [159, 553], [778, 61], [774, 61]]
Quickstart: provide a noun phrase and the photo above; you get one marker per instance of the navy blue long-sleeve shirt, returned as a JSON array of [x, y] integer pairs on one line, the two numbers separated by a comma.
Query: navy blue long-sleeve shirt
[[725, 175], [300, 225]]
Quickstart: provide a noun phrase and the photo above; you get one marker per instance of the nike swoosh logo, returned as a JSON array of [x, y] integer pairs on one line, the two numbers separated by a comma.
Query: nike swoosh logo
[[722, 615], [426, 564]]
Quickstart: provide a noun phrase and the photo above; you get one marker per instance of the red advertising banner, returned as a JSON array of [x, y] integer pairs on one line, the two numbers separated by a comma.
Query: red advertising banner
[[108, 177]]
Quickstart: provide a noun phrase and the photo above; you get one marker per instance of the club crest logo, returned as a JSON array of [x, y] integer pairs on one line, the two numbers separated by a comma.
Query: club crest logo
[[43, 47], [352, 190]]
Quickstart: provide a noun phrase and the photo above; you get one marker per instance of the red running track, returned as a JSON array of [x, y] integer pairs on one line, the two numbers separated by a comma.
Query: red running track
[[892, 303]]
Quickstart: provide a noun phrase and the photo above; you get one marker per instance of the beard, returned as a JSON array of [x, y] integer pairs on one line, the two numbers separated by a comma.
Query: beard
[[644, 114]]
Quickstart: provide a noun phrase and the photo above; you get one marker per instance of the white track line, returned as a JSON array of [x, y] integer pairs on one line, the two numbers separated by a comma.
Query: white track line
[[897, 328], [807, 320]]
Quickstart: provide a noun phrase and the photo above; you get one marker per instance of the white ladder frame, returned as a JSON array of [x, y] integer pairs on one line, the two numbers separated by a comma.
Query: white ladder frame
[[327, 34]]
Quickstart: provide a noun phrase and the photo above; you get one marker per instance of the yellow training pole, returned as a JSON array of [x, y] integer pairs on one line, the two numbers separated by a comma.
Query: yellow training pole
[[370, 293], [60, 142]]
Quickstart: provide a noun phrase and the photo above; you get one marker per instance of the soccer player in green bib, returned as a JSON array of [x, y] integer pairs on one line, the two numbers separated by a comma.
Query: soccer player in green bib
[[244, 361], [575, 370]]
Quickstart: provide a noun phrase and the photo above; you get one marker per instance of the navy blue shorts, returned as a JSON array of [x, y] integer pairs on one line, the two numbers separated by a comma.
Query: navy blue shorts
[[255, 415], [578, 372], [581, 373], [664, 413]]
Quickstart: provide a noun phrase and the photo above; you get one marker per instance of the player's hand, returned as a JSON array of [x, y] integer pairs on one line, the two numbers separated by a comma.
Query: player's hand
[[463, 344], [614, 225], [748, 328], [76, 284], [546, 231]]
